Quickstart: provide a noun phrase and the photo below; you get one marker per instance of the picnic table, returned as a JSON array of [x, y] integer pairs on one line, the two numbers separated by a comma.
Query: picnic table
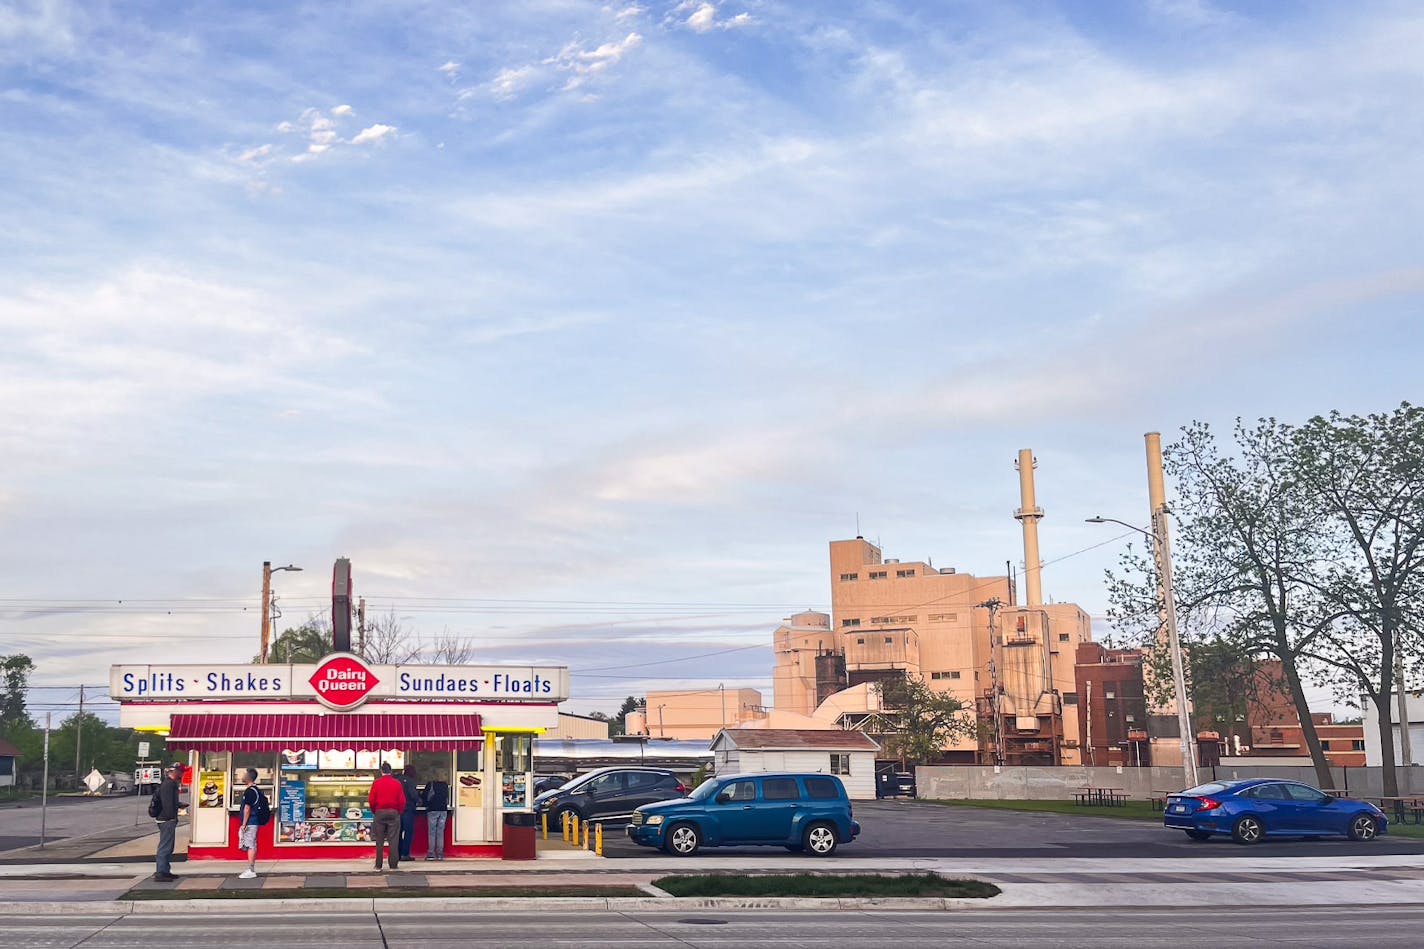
[[1158, 798], [1099, 797], [1404, 807]]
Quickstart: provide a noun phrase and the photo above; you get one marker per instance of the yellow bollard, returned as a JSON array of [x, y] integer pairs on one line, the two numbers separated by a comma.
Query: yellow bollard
[[598, 849], [544, 819], [568, 827], [585, 835], [574, 818]]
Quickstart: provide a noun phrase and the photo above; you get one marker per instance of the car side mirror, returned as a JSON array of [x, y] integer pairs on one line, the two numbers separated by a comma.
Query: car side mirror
[[724, 797]]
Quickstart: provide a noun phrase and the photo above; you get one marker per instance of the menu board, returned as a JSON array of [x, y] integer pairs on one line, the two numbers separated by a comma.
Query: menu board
[[368, 760], [292, 804], [471, 789], [210, 788], [394, 757], [514, 789]]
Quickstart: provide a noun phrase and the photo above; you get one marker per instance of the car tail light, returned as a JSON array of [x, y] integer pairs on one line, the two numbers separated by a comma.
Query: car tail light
[[682, 789], [1207, 804]]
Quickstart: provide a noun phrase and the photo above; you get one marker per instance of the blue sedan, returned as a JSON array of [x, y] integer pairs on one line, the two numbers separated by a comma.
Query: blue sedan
[[1260, 807]]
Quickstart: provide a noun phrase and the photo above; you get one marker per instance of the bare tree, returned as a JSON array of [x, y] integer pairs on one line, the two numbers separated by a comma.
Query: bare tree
[[449, 649], [389, 643]]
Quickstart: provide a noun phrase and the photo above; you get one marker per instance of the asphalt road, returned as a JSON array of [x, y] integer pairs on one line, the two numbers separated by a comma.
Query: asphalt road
[[72, 817], [922, 829], [1300, 928]]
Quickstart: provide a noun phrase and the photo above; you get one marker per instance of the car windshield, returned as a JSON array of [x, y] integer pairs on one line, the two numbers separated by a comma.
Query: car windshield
[[704, 790]]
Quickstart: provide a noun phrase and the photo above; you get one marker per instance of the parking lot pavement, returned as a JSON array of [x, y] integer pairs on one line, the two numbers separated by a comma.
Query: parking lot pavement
[[906, 828]]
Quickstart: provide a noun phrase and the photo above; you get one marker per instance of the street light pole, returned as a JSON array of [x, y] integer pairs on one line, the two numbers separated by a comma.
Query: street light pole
[[267, 571], [1161, 552]]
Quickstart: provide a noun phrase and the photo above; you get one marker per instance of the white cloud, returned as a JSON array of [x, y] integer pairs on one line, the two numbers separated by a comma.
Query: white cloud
[[630, 11], [584, 63], [373, 133], [508, 83], [451, 69], [705, 17], [343, 110]]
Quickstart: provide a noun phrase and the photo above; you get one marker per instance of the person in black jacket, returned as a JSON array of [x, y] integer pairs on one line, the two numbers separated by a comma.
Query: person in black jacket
[[167, 821], [412, 798], [437, 812]]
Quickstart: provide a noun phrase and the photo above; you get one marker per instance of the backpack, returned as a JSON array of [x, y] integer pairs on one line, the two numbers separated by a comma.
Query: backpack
[[155, 806], [261, 809]]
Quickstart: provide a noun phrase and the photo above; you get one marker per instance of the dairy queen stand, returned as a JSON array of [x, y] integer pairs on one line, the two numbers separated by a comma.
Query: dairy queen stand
[[318, 734]]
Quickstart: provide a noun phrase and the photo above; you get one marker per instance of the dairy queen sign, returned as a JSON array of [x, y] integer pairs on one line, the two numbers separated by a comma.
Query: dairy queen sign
[[342, 681]]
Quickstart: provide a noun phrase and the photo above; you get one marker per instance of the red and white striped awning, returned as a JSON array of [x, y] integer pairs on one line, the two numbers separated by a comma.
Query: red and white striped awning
[[279, 732]]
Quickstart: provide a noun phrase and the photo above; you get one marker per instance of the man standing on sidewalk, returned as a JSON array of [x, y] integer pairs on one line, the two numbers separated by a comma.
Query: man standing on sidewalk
[[249, 822], [167, 820], [386, 800]]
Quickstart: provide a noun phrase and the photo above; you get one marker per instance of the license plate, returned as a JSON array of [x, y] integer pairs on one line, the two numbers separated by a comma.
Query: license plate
[[1179, 809]]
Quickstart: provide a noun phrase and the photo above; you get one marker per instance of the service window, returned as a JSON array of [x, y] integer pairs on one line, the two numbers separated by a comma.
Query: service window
[[822, 789], [780, 789]]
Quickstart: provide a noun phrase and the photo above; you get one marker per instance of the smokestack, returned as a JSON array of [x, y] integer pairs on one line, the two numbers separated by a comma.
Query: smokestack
[[1028, 515]]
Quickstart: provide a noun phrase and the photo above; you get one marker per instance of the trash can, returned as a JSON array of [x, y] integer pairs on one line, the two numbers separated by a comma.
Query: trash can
[[519, 835]]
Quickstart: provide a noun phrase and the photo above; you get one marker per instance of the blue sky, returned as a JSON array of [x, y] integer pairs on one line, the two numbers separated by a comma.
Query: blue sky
[[617, 313]]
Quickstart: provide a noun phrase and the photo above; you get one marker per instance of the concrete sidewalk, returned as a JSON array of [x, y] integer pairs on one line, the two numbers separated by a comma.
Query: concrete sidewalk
[[94, 886]]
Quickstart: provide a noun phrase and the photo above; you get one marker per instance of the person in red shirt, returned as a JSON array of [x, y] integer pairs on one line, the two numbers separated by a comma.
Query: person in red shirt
[[387, 801]]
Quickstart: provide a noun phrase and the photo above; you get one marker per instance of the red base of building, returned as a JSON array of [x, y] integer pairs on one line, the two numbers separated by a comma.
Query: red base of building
[[269, 849]]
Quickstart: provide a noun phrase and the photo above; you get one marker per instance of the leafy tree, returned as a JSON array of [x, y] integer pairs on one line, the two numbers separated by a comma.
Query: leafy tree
[[1246, 557], [1365, 475], [14, 684], [301, 644], [921, 720]]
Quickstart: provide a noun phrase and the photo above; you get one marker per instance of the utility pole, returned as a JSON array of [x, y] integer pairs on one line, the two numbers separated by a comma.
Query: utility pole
[[722, 688], [995, 654], [78, 732], [266, 605], [44, 786], [361, 627], [1162, 546]]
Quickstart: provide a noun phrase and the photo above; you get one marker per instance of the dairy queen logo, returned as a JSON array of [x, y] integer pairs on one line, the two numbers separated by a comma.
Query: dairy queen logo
[[343, 682]]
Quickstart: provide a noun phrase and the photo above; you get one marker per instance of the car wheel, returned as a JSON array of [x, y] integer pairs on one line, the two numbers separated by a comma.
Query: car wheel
[[1198, 835], [564, 817], [1364, 827], [683, 840], [1248, 830], [821, 840]]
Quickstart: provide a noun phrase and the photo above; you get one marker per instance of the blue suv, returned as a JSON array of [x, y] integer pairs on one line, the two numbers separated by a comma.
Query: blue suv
[[809, 812]]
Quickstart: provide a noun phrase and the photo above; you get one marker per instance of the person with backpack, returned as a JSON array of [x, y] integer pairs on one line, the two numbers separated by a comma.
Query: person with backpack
[[256, 812], [163, 808]]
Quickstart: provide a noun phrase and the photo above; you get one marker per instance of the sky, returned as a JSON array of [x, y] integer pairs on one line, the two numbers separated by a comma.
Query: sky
[[583, 327]]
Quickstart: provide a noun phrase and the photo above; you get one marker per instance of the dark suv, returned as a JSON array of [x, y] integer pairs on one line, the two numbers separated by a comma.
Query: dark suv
[[608, 793]]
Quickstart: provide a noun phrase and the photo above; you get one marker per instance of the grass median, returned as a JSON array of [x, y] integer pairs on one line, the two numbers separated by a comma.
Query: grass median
[[822, 885]]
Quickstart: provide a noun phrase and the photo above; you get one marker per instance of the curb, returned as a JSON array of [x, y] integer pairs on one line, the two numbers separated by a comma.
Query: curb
[[484, 905]]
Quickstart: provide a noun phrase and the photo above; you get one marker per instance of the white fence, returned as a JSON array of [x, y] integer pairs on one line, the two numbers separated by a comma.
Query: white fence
[[981, 782]]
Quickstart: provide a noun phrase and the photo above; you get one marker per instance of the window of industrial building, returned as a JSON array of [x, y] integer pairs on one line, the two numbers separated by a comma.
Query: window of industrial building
[[878, 574], [944, 675], [1109, 694], [840, 763], [850, 622], [889, 640], [850, 576], [880, 619], [860, 641], [1069, 698], [1357, 744], [905, 573], [1324, 746], [1063, 637], [944, 617]]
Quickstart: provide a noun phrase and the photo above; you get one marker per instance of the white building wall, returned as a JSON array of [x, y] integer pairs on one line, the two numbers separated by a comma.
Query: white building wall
[[1415, 707], [859, 784]]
